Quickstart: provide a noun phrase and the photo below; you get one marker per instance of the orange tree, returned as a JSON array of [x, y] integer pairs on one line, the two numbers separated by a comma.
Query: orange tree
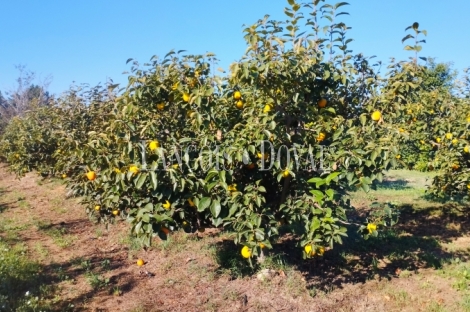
[[27, 142], [418, 93], [434, 120], [50, 139], [293, 127], [451, 134], [296, 124]]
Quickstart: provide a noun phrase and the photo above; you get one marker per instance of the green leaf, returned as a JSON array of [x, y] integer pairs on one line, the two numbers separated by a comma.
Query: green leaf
[[222, 175], [406, 38], [215, 208], [363, 119], [330, 193], [315, 180], [365, 187], [331, 177], [203, 204], [233, 210], [315, 224], [141, 180], [318, 195], [153, 179], [337, 5]]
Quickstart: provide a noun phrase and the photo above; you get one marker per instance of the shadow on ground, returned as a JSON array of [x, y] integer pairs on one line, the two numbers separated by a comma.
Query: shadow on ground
[[20, 275], [413, 244], [391, 184], [42, 280]]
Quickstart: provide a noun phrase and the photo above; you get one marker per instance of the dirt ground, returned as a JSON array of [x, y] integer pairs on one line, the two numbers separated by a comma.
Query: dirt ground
[[91, 268]]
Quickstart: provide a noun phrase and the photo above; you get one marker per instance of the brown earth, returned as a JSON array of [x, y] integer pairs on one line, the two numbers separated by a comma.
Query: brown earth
[[188, 272]]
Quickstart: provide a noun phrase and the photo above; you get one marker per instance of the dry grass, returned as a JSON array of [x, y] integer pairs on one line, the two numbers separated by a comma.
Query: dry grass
[[420, 265]]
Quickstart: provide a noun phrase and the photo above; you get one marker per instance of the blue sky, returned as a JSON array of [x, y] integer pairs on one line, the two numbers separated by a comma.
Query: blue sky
[[87, 41]]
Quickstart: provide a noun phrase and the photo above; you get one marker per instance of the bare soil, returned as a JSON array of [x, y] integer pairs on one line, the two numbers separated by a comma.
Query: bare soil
[[94, 269]]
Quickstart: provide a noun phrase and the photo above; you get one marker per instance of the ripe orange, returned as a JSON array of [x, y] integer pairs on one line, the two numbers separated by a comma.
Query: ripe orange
[[160, 106], [115, 212], [64, 176], [140, 262], [250, 166], [167, 205], [153, 145], [134, 169], [371, 227], [237, 95], [285, 173], [91, 175], [239, 104], [309, 250], [267, 108], [97, 207], [246, 252], [321, 136], [265, 156], [376, 116], [322, 103], [191, 203]]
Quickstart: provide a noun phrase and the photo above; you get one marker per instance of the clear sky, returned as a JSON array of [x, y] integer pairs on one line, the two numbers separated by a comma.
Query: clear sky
[[87, 41]]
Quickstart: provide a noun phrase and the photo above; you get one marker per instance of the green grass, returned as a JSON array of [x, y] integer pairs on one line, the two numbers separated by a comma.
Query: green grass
[[401, 186], [60, 237], [58, 234], [21, 282]]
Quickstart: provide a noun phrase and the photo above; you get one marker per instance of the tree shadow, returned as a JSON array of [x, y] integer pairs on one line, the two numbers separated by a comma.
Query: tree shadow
[[413, 244], [457, 199], [43, 284], [5, 205], [391, 184], [103, 272]]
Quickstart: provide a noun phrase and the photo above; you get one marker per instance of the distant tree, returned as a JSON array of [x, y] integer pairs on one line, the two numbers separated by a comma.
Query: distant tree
[[24, 96], [437, 75], [3, 101]]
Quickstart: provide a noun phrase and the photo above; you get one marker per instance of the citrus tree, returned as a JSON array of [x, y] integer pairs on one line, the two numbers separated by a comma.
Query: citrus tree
[[297, 123]]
